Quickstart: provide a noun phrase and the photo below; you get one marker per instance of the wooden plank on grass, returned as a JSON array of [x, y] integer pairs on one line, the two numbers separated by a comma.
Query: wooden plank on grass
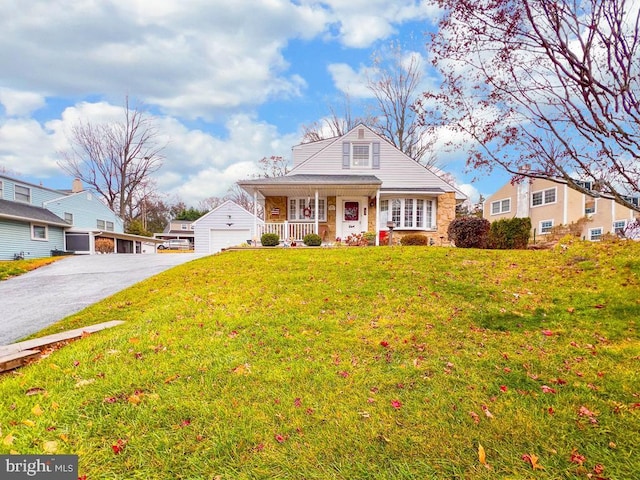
[[39, 343], [15, 360]]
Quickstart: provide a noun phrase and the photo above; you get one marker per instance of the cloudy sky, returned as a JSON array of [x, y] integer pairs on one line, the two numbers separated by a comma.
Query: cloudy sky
[[227, 82]]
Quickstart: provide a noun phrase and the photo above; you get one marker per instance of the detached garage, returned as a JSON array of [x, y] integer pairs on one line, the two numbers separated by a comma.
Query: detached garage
[[225, 226]]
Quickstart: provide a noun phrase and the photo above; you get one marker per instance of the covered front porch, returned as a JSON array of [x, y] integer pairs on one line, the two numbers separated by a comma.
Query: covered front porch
[[328, 205]]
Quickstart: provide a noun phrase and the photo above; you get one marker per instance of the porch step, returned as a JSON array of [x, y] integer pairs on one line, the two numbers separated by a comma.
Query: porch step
[[17, 354]]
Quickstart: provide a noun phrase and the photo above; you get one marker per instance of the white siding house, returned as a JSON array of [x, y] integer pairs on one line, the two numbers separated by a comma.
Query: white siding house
[[225, 226], [352, 184]]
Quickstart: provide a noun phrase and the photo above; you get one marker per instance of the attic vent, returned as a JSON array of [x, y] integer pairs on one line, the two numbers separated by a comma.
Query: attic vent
[[360, 133]]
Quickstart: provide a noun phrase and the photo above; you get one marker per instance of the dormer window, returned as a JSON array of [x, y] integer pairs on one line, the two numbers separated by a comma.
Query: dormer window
[[361, 155]]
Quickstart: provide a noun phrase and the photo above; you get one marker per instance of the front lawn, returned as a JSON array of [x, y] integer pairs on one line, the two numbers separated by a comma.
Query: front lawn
[[12, 268], [348, 363]]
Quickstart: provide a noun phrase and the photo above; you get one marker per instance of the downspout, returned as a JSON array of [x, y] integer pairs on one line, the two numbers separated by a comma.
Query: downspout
[[565, 206]]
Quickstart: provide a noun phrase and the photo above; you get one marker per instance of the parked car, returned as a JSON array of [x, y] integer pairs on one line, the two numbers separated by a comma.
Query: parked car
[[177, 244]]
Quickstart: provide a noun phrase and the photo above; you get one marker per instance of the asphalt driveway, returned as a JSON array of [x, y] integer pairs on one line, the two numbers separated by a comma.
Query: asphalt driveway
[[37, 299]]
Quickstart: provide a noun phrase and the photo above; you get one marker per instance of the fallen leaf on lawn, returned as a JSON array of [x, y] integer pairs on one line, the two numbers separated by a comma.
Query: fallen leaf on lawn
[[486, 411], [134, 399], [134, 340], [171, 378], [279, 438], [547, 389], [64, 437], [35, 391], [547, 333], [37, 410], [482, 456], [8, 440], [476, 418], [84, 383], [50, 446], [532, 459], [243, 369], [571, 309], [29, 423], [576, 457], [55, 406]]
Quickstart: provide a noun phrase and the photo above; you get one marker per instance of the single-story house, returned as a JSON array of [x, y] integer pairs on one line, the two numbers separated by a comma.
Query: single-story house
[[36, 221], [351, 184], [225, 226]]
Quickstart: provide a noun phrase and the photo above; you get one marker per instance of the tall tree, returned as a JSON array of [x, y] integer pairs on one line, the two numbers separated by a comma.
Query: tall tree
[[340, 121], [115, 158], [394, 81], [543, 88]]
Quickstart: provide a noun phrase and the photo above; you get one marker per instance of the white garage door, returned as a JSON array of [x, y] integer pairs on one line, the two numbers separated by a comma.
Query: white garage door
[[219, 239]]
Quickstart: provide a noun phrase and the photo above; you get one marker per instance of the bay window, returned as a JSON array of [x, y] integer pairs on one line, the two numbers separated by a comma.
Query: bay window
[[407, 213]]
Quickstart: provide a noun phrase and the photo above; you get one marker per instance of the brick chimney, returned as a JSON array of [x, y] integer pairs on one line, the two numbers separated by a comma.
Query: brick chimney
[[76, 186]]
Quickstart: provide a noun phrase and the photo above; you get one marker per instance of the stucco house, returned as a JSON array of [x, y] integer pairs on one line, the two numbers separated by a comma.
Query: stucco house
[[551, 203], [225, 226], [350, 184], [36, 221]]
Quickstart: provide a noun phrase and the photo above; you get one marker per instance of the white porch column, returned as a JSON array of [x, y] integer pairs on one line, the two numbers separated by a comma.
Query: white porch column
[[377, 217], [316, 226], [255, 217]]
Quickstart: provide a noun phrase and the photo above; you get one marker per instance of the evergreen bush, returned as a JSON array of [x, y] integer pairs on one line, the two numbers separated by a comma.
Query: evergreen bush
[[312, 240], [510, 233], [269, 239], [414, 239]]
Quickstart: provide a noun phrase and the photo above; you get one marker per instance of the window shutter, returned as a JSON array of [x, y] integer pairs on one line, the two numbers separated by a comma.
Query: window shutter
[[376, 155], [346, 155]]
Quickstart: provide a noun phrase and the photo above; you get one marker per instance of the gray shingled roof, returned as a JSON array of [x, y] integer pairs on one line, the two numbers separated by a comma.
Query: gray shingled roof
[[26, 212], [315, 180]]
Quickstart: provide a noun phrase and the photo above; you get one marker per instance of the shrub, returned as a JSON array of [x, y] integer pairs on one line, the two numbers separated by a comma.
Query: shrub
[[469, 232], [312, 240], [104, 245], [269, 239], [414, 239], [510, 233]]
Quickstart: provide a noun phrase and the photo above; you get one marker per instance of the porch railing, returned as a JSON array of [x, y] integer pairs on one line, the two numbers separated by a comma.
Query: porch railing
[[287, 230]]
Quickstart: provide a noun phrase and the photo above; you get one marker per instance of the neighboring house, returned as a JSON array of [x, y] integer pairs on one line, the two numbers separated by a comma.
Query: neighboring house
[[351, 184], [551, 203], [36, 221], [178, 229], [225, 226]]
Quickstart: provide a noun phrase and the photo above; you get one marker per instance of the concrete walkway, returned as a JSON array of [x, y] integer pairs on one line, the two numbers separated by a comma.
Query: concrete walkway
[[39, 298]]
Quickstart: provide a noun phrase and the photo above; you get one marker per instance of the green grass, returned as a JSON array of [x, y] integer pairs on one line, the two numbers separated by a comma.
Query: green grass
[[13, 268], [350, 363]]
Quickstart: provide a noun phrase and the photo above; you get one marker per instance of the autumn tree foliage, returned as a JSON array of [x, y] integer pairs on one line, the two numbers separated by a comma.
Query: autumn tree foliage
[[116, 158], [542, 88]]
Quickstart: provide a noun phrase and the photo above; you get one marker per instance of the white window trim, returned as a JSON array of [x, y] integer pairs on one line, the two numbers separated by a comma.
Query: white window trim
[[104, 224], [613, 225], [70, 215], [545, 221], [544, 202], [370, 161], [306, 201], [591, 230], [499, 202], [109, 226], [22, 201], [46, 232], [401, 226]]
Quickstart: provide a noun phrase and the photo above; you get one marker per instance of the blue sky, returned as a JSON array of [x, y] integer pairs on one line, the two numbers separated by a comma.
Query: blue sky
[[226, 82]]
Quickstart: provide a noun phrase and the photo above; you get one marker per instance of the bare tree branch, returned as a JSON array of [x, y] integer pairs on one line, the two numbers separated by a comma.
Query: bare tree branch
[[116, 159]]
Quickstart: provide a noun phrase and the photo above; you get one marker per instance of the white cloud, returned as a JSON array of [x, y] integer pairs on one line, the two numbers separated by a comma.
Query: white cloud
[[18, 104], [350, 81]]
